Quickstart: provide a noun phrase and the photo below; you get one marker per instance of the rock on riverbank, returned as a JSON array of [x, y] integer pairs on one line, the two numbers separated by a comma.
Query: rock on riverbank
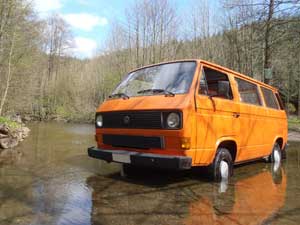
[[10, 137]]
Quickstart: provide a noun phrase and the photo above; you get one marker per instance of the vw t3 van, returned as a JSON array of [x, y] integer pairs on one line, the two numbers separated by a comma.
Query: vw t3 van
[[190, 113]]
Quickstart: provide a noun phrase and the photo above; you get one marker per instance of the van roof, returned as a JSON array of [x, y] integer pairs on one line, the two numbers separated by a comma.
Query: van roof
[[217, 66]]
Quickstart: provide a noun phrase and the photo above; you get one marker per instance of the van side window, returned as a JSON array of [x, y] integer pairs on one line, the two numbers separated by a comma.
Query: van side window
[[269, 97], [214, 83], [248, 92], [203, 84]]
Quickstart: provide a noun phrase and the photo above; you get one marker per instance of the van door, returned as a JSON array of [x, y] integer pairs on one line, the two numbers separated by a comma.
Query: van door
[[275, 120], [252, 121], [217, 112]]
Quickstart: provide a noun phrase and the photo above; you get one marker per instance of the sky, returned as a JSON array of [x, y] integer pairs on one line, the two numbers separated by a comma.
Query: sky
[[90, 20]]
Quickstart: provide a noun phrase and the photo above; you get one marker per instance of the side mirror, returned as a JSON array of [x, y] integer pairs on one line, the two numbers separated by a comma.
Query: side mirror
[[223, 89]]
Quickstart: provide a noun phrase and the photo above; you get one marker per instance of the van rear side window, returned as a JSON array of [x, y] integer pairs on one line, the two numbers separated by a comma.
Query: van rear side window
[[248, 92], [281, 105], [269, 97]]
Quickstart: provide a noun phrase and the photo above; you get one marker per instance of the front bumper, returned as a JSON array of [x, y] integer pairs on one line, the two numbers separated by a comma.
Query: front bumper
[[142, 159]]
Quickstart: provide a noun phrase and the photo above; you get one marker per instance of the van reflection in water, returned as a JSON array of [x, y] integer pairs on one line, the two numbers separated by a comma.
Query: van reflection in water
[[254, 200], [253, 197]]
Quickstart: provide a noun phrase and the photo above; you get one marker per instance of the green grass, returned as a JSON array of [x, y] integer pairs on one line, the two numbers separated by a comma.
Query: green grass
[[9, 123], [294, 123]]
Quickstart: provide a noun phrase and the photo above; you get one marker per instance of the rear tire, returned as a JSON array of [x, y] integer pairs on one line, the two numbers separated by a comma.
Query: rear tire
[[222, 166], [275, 156]]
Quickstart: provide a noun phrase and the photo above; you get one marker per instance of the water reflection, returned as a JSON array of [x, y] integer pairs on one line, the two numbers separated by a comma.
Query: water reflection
[[165, 198], [9, 156], [252, 200], [54, 182], [47, 184]]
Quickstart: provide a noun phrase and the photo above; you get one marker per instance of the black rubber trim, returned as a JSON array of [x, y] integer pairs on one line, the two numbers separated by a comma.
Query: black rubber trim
[[144, 159], [130, 141]]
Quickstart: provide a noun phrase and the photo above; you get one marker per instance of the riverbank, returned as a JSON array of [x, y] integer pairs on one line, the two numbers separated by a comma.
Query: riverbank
[[294, 129], [89, 119], [294, 123], [294, 136], [12, 132]]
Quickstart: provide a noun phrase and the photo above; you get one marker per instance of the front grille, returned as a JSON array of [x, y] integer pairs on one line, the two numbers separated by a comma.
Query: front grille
[[129, 141], [138, 120]]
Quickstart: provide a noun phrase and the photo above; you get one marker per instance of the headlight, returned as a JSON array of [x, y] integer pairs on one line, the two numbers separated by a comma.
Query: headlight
[[99, 121], [173, 120]]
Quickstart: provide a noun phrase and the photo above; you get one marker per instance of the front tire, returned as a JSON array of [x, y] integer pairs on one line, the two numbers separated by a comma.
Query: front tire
[[222, 166]]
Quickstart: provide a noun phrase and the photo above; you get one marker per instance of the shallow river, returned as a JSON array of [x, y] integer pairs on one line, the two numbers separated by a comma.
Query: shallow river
[[52, 181]]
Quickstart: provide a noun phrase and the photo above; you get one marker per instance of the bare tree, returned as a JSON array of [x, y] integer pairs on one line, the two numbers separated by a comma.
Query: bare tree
[[268, 15], [58, 42], [9, 72]]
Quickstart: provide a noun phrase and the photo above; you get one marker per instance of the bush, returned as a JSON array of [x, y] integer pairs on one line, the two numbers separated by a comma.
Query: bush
[[62, 112], [291, 108], [9, 123]]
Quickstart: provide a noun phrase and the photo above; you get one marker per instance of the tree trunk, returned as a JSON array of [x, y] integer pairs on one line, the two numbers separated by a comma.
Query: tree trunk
[[267, 59], [9, 73], [299, 86]]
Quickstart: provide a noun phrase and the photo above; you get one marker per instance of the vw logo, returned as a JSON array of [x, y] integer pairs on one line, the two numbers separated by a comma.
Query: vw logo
[[126, 120]]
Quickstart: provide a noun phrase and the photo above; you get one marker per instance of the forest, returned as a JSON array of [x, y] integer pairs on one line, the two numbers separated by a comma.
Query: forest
[[40, 78]]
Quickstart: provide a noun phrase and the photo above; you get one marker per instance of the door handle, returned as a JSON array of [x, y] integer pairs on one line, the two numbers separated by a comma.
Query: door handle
[[236, 115]]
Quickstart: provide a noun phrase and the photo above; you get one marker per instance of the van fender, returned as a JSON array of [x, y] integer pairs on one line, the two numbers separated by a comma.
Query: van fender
[[274, 141], [222, 139]]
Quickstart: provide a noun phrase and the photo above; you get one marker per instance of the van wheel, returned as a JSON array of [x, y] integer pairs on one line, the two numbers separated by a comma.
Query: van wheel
[[222, 166], [275, 156]]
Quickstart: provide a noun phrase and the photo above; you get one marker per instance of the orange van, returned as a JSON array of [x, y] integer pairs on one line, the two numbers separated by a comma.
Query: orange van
[[188, 113]]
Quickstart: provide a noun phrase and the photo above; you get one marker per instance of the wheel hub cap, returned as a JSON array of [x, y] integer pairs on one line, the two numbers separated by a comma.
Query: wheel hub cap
[[276, 156], [224, 169]]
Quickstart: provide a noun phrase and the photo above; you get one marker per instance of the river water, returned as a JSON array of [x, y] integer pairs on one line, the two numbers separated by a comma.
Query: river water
[[52, 181]]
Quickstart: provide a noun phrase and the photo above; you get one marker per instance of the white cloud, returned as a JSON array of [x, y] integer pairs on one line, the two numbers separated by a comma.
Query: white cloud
[[43, 6], [84, 21], [84, 47]]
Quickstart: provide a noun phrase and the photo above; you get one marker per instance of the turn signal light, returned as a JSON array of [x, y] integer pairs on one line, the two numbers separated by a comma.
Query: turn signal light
[[185, 143]]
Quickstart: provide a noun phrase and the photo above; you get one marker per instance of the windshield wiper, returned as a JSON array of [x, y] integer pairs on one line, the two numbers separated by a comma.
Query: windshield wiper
[[123, 95], [167, 93]]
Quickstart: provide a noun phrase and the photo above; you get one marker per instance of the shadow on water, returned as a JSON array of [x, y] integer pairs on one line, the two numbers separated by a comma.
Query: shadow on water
[[54, 182]]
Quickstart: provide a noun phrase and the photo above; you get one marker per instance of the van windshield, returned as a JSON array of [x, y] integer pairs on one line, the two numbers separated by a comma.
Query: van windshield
[[170, 78]]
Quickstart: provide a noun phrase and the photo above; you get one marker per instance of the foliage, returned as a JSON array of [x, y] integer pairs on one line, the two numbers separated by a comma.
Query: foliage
[[291, 108], [39, 77], [9, 123], [294, 123]]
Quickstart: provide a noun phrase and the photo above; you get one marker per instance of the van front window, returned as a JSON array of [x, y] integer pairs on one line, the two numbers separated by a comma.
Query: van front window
[[169, 79]]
